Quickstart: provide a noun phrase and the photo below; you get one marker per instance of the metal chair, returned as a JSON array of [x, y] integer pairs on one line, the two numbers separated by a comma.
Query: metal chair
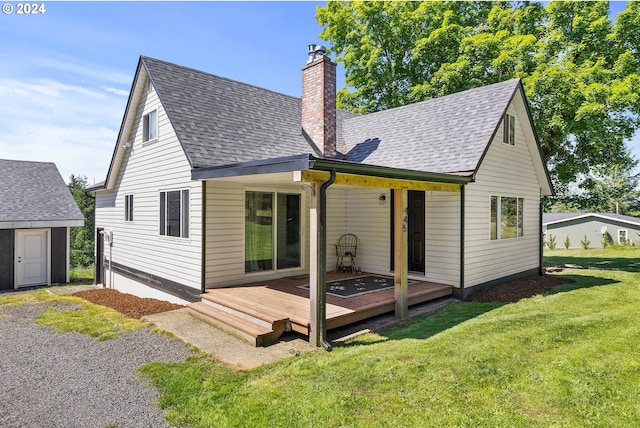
[[346, 249]]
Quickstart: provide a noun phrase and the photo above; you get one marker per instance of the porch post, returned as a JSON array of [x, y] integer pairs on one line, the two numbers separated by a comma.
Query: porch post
[[400, 245], [315, 297]]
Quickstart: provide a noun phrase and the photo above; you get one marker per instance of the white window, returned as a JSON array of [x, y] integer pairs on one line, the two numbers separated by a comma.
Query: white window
[[509, 129], [622, 236], [128, 207], [174, 213], [507, 217], [150, 126]]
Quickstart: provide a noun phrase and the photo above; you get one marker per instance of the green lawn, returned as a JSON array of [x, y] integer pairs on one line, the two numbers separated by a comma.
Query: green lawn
[[571, 358], [67, 313]]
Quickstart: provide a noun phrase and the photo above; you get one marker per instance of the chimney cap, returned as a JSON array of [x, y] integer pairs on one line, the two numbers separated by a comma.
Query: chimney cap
[[315, 52]]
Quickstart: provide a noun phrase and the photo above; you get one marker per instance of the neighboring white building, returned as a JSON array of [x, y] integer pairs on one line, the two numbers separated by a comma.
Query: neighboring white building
[[215, 183], [37, 211]]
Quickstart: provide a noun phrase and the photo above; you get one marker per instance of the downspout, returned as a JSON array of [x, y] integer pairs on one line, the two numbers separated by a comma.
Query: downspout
[[203, 240], [322, 261], [540, 249], [462, 203]]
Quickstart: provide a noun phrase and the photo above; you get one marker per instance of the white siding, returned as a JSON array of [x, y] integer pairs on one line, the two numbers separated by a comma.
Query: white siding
[[505, 171], [146, 170], [443, 237], [336, 226], [225, 233], [370, 220]]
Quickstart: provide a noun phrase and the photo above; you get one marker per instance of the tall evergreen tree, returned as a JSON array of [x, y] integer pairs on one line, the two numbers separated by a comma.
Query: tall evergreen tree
[[82, 238]]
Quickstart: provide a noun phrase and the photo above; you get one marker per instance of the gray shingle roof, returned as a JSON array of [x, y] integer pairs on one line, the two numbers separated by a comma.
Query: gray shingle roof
[[34, 191], [222, 122], [447, 134]]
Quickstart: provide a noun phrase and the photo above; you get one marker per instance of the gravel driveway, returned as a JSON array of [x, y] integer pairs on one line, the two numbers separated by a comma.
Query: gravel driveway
[[71, 380]]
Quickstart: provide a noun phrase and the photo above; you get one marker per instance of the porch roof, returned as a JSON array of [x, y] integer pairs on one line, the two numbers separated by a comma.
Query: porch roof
[[306, 162]]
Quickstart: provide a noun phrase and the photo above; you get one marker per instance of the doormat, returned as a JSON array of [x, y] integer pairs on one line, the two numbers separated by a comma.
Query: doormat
[[353, 287]]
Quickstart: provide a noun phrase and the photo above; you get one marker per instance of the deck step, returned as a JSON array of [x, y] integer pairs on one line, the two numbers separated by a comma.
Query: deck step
[[236, 300], [250, 332]]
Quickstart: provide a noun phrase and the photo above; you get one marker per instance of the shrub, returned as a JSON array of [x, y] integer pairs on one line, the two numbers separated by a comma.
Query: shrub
[[605, 240], [585, 242], [567, 243], [552, 242]]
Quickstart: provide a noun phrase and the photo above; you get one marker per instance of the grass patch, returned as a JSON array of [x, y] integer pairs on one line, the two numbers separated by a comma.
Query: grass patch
[[81, 275], [67, 313], [571, 358], [613, 258]]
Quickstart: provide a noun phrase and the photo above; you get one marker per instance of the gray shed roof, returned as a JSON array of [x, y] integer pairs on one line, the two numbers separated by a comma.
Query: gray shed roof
[[33, 194], [552, 218]]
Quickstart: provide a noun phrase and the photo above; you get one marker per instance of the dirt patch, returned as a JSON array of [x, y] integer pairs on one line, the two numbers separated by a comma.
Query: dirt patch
[[518, 289], [127, 304]]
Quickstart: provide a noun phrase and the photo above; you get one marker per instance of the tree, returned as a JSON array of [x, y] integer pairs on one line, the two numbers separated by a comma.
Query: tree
[[612, 189], [580, 71], [82, 238]]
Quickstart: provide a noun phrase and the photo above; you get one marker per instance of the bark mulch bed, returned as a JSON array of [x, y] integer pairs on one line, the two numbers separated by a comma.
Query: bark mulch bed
[[518, 289], [137, 307], [127, 304]]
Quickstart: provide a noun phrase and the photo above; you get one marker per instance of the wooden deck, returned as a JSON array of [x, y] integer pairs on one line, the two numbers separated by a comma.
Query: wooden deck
[[278, 305]]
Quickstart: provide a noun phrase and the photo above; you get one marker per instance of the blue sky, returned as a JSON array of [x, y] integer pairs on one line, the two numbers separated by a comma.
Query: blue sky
[[65, 74]]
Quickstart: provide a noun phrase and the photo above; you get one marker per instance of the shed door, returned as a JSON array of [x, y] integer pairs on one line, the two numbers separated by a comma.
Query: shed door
[[31, 260]]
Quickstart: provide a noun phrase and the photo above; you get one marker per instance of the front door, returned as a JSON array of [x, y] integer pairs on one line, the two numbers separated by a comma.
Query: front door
[[32, 257], [416, 236], [416, 230]]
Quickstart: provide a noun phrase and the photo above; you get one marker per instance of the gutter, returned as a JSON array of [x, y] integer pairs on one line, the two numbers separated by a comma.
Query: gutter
[[308, 162], [387, 172]]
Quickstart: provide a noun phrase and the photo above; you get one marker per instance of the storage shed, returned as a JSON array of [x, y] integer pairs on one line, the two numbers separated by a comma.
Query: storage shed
[[37, 211]]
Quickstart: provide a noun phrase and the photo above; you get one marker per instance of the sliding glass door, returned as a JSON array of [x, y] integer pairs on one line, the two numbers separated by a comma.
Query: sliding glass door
[[270, 218]]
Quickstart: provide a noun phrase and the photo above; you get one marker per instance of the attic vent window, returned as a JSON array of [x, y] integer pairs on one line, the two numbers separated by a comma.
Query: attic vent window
[[150, 126], [128, 207], [509, 129]]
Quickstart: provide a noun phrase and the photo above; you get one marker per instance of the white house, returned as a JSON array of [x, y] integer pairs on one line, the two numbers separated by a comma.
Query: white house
[[36, 214], [216, 183]]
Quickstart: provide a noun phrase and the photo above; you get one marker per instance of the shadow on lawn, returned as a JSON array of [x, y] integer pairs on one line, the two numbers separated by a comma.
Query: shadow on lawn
[[428, 325], [425, 326], [618, 263], [581, 281]]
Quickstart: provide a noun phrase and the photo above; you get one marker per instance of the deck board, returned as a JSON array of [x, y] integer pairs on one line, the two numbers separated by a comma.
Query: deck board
[[284, 299]]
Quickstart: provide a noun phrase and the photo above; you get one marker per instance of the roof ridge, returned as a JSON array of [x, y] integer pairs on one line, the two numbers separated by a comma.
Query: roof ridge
[[440, 98], [144, 58], [27, 161]]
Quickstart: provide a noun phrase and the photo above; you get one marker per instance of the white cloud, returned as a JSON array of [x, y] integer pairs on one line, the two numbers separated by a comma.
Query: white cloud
[[74, 126], [117, 91], [82, 68]]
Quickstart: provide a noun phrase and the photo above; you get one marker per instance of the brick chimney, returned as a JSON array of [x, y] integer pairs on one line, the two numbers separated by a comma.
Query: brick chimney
[[319, 100]]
